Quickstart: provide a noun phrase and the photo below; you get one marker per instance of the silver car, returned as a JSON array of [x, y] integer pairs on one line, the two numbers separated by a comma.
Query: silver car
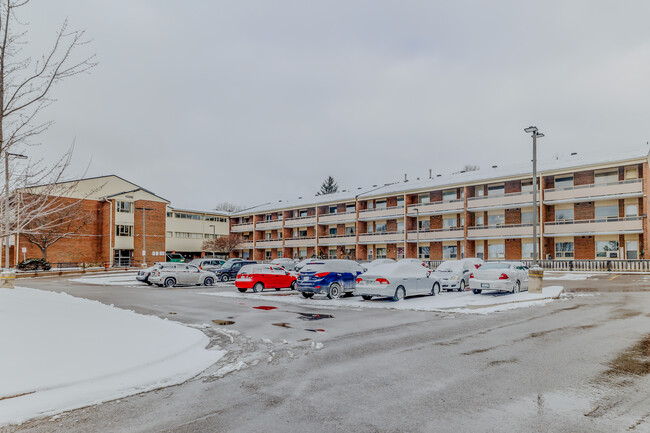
[[396, 281], [143, 274], [207, 264], [287, 263], [499, 276], [181, 274], [454, 274]]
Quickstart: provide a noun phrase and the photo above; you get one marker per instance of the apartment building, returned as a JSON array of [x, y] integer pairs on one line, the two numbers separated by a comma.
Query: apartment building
[[123, 224], [590, 207]]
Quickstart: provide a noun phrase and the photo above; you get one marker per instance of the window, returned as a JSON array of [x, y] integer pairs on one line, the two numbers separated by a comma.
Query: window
[[526, 250], [423, 253], [332, 231], [480, 220], [381, 253], [526, 217], [188, 216], [369, 230], [332, 209], [563, 181], [607, 249], [449, 223], [449, 195], [526, 186], [303, 254], [169, 214], [349, 230], [370, 204], [380, 204], [606, 212], [479, 251], [267, 255], [170, 234], [380, 227], [631, 250], [563, 214], [496, 251], [496, 190], [424, 198], [280, 216], [332, 253], [279, 235], [449, 252], [123, 230], [269, 217], [480, 191], [631, 210], [496, 220], [247, 220], [303, 213], [214, 218], [400, 201], [302, 233], [124, 206], [424, 225], [268, 236], [564, 250], [609, 176], [630, 173], [349, 208], [400, 226]]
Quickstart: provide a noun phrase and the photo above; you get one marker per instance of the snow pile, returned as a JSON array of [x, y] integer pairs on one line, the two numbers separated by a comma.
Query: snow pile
[[60, 353], [456, 302], [567, 277], [113, 279]]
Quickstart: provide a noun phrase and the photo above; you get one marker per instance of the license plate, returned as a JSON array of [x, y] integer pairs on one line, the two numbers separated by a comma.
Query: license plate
[[306, 279], [485, 285]]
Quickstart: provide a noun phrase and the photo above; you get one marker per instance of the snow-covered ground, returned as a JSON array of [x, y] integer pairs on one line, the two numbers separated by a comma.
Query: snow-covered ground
[[112, 279], [455, 302], [59, 352], [572, 276]]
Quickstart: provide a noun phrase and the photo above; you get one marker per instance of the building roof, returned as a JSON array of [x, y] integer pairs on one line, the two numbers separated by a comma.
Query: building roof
[[544, 166], [217, 213]]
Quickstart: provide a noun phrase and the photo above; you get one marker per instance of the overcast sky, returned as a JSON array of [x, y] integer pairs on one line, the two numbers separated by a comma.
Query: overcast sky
[[255, 101]]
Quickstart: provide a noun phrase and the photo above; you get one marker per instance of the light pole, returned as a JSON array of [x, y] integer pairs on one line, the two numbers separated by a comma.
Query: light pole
[[535, 134], [417, 233], [7, 225], [214, 236], [144, 237]]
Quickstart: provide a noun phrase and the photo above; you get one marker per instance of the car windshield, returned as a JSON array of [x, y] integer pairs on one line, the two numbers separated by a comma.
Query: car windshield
[[488, 266], [455, 266], [227, 265]]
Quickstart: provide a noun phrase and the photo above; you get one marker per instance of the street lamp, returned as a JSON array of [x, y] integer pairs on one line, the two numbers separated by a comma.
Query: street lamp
[[7, 226], [144, 237], [214, 236], [417, 233], [535, 134]]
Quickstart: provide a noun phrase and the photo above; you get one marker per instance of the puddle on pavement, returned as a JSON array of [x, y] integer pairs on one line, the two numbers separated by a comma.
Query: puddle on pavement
[[633, 361], [171, 312], [309, 316], [315, 330], [265, 307], [223, 322], [282, 325], [305, 339], [502, 361]]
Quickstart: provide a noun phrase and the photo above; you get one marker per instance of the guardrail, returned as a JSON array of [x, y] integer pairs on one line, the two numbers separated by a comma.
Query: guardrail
[[593, 265]]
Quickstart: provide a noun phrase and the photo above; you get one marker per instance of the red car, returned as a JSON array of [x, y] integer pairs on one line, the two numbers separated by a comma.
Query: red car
[[260, 277]]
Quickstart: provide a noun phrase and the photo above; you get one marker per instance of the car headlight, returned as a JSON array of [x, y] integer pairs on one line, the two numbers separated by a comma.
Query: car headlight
[[454, 278]]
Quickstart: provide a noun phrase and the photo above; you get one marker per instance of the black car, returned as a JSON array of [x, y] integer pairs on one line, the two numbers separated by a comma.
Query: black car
[[229, 270]]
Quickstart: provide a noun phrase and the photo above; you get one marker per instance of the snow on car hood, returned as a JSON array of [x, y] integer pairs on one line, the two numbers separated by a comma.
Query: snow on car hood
[[399, 270]]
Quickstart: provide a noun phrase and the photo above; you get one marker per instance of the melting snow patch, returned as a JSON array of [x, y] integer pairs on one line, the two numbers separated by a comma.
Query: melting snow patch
[[316, 346], [229, 368]]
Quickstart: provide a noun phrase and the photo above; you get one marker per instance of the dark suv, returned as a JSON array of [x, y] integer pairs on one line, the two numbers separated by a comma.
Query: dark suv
[[229, 270]]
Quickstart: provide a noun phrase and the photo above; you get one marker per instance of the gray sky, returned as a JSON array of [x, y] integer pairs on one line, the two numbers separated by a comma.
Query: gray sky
[[255, 101]]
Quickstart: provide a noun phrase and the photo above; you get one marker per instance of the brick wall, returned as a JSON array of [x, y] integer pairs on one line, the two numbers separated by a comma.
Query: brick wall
[[513, 249], [435, 196], [436, 222], [435, 251], [584, 248], [154, 230], [391, 225], [583, 211], [513, 216], [583, 177], [512, 186]]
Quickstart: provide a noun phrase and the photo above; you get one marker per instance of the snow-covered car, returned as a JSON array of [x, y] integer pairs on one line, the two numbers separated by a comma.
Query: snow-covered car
[[143, 274], [285, 262], [302, 263], [454, 274], [260, 277], [207, 264], [371, 265], [181, 275], [332, 277], [499, 276], [397, 280], [416, 262]]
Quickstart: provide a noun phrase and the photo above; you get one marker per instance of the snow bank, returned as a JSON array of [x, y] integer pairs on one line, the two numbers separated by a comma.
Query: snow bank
[[60, 353], [121, 279], [456, 302], [567, 277]]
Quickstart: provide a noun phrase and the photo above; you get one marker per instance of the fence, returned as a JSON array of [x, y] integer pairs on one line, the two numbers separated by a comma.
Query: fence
[[580, 265]]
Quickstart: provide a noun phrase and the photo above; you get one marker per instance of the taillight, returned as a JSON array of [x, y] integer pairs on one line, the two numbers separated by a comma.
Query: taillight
[[359, 280], [503, 277], [471, 275], [382, 281], [477, 266], [321, 274]]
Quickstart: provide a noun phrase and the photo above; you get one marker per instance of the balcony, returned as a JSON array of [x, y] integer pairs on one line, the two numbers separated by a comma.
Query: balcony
[[337, 240], [439, 207], [300, 242], [502, 201], [337, 218], [501, 231], [436, 235], [600, 226], [248, 245], [381, 214], [244, 227], [300, 221], [268, 225], [268, 243], [594, 192], [382, 238]]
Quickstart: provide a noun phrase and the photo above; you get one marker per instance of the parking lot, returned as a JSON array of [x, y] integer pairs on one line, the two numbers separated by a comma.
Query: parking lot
[[341, 365]]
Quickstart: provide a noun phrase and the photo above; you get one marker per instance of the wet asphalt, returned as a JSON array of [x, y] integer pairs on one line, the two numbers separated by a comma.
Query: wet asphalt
[[541, 368]]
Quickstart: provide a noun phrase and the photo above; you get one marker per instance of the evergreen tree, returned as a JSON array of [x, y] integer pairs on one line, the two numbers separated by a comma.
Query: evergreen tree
[[329, 186]]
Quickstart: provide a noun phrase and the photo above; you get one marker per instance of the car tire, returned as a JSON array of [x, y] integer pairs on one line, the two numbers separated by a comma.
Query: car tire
[[170, 282], [366, 297], [293, 285], [148, 283], [334, 291], [224, 278], [307, 295], [400, 294], [209, 281], [258, 287], [435, 290], [241, 290], [476, 291], [462, 286], [516, 288]]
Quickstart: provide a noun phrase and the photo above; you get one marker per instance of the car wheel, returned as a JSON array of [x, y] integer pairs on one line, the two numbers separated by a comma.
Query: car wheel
[[366, 297], [241, 290], [462, 286], [334, 291], [476, 291], [209, 281], [170, 282], [258, 287], [224, 278], [148, 282], [293, 285], [307, 295], [516, 288], [400, 293], [435, 290]]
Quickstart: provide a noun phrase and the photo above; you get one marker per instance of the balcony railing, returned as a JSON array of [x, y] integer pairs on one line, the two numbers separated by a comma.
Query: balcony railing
[[242, 227], [329, 218], [499, 231], [607, 225], [300, 242], [384, 213], [623, 188], [436, 235], [500, 201], [437, 207], [300, 221], [345, 239], [266, 224], [381, 237]]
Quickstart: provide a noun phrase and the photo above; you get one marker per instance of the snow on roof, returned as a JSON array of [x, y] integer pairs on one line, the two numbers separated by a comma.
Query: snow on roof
[[449, 180]]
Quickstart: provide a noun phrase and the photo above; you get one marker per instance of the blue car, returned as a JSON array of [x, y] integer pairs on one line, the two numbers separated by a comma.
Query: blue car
[[332, 277]]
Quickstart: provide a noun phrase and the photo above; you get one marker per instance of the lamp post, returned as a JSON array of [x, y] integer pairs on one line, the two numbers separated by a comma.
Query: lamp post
[[144, 237], [417, 233], [7, 225], [535, 134], [214, 236]]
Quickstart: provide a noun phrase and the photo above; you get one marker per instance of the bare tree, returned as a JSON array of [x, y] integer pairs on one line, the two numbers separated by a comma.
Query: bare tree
[[223, 244], [227, 206]]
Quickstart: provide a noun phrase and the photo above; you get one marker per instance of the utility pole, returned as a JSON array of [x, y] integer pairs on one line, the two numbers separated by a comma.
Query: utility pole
[[535, 274], [6, 204]]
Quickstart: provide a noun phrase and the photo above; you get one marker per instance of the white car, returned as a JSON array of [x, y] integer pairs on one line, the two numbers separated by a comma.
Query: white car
[[499, 276], [285, 262], [454, 274], [302, 264], [181, 274], [143, 274], [397, 280], [375, 263]]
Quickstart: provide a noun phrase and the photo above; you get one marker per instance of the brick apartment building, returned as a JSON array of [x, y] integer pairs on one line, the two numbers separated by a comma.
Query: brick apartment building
[[115, 230], [592, 207]]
